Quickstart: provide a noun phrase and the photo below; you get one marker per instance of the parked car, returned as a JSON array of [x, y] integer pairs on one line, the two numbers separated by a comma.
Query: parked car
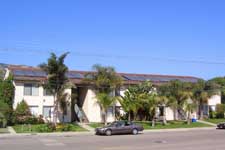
[[119, 127], [221, 125]]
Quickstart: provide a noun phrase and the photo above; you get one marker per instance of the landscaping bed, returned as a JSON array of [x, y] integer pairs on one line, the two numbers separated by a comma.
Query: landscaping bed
[[216, 121], [46, 128], [96, 125], [170, 125]]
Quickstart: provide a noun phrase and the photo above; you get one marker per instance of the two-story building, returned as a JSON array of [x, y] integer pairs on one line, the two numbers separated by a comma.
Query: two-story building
[[28, 83]]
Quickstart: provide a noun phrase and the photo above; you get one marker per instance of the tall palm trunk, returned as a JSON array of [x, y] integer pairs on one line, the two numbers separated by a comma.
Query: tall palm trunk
[[105, 116], [164, 116], [153, 118], [175, 114], [201, 111], [55, 111], [129, 116]]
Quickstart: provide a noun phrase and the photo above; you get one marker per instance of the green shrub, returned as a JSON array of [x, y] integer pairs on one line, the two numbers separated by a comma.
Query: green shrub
[[220, 110], [4, 113], [29, 120], [22, 109], [212, 114], [45, 128], [22, 115]]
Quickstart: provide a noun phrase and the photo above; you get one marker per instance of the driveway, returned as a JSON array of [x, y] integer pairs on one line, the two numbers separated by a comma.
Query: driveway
[[185, 140]]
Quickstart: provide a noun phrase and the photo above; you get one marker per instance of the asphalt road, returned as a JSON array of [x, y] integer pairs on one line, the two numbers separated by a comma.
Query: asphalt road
[[183, 140]]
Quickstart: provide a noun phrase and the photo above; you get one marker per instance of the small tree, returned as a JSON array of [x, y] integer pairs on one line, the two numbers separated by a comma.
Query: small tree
[[129, 103], [7, 95], [220, 110], [106, 81], [105, 101], [56, 79], [189, 108], [153, 103], [4, 113], [22, 109]]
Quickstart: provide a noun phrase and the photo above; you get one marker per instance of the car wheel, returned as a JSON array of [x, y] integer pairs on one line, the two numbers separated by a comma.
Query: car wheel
[[108, 132], [134, 131]]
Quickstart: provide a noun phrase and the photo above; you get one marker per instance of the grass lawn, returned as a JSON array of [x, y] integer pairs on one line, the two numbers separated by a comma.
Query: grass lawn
[[3, 130], [96, 125], [43, 128], [216, 121], [171, 125]]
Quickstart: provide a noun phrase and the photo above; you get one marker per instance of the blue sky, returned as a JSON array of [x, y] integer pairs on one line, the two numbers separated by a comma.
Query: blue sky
[[180, 37]]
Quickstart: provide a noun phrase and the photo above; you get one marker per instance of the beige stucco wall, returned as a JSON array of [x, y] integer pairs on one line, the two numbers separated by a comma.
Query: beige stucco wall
[[38, 101], [213, 101], [92, 108]]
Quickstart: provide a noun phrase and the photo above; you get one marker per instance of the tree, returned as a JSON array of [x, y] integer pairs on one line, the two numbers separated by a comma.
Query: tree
[[129, 102], [189, 108], [22, 109], [7, 90], [106, 81], [105, 101], [176, 93], [4, 113], [202, 92], [164, 103], [152, 102], [7, 95], [56, 79]]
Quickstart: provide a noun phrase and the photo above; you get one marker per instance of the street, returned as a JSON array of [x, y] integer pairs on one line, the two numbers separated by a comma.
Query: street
[[185, 140]]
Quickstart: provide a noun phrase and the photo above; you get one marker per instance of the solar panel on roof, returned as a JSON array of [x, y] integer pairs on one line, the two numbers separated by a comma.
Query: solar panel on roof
[[158, 78], [31, 73], [74, 75]]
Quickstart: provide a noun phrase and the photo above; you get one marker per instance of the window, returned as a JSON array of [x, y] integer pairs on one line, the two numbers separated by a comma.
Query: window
[[31, 89], [47, 92], [110, 111], [47, 111], [34, 110]]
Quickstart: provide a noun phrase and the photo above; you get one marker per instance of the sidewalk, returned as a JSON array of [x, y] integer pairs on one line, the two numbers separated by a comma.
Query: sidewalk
[[208, 123], [91, 133]]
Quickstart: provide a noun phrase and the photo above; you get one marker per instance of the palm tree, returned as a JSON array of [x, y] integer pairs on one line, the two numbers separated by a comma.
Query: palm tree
[[164, 103], [106, 81], [189, 108], [105, 101], [128, 103], [153, 103], [104, 78], [201, 95], [56, 79]]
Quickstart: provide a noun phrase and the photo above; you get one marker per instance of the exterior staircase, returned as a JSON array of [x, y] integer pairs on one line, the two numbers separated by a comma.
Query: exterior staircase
[[82, 118]]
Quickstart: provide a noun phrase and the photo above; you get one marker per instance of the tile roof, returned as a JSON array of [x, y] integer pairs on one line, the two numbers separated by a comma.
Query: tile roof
[[26, 73]]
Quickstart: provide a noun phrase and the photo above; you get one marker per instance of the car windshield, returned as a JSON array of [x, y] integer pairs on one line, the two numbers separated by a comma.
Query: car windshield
[[119, 123], [113, 124]]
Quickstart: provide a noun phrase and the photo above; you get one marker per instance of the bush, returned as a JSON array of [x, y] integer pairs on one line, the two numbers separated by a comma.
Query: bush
[[64, 127], [22, 115], [29, 120], [45, 128], [220, 110], [22, 109], [212, 114], [4, 113]]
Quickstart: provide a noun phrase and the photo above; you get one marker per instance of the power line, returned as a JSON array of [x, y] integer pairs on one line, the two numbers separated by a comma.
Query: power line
[[116, 57]]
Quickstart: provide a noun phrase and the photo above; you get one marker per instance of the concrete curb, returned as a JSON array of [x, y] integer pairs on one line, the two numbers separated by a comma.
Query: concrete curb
[[11, 130], [70, 134], [208, 123], [178, 129]]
